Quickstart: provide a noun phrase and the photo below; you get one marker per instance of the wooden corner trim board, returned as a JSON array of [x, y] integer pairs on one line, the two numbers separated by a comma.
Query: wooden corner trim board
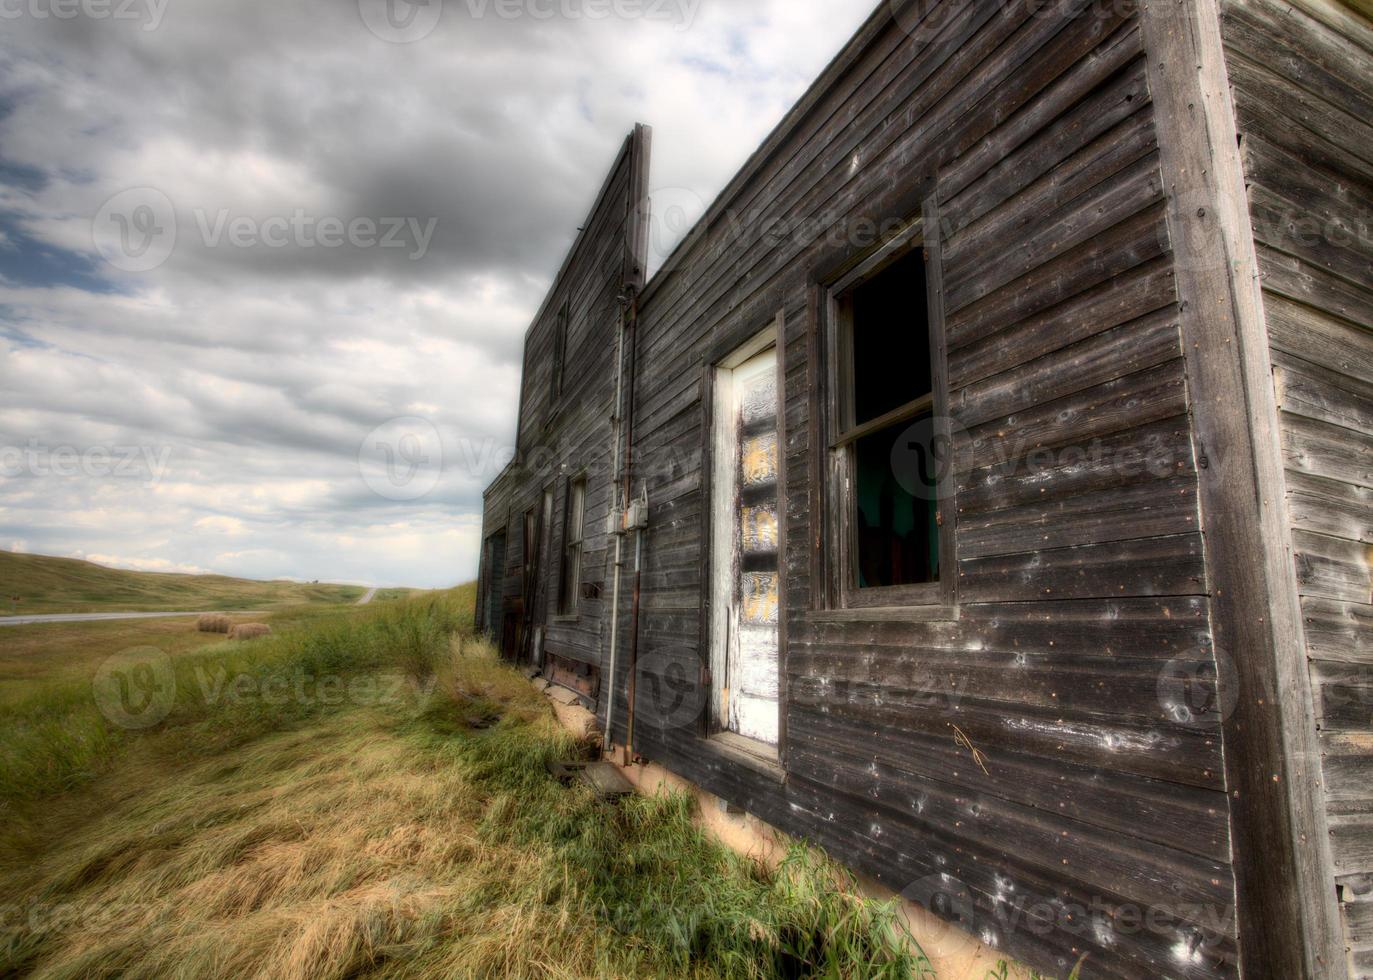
[[1288, 916]]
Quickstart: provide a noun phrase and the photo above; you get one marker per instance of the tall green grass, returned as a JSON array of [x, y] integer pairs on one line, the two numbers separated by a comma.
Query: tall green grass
[[58, 738], [677, 900], [306, 837]]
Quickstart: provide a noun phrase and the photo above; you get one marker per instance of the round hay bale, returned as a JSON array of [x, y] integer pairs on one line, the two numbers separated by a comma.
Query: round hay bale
[[250, 631], [214, 623]]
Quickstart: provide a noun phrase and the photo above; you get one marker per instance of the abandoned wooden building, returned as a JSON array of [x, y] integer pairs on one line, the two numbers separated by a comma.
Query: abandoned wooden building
[[983, 489]]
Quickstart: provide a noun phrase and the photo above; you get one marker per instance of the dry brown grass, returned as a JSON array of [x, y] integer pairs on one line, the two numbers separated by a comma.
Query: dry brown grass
[[323, 853]]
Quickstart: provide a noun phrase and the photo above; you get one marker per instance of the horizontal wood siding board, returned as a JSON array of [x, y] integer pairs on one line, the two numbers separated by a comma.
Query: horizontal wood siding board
[[1316, 393], [1143, 510], [1333, 568], [1324, 450], [1338, 631], [1329, 507], [1320, 338]]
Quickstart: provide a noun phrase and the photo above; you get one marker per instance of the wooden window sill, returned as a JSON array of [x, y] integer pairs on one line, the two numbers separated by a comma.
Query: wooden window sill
[[888, 614], [761, 758]]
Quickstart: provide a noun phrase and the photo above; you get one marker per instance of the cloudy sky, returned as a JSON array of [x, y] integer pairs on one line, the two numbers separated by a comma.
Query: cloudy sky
[[239, 240]]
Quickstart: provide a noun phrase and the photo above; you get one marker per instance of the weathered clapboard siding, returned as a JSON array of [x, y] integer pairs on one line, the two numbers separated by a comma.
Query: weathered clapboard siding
[[1302, 76], [1080, 569], [500, 582], [567, 403], [1043, 748]]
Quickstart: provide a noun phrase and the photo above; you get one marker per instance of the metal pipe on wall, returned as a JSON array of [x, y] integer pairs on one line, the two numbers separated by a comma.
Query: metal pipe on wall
[[617, 516]]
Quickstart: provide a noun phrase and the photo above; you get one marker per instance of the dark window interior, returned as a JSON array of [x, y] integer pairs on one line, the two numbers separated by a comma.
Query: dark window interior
[[891, 340], [895, 498]]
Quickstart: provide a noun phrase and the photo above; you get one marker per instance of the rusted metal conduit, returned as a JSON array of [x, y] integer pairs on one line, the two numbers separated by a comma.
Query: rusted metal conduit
[[632, 685], [624, 427]]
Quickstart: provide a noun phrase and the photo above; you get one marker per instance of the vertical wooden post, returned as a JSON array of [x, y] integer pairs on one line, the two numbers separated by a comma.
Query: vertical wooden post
[[1288, 915]]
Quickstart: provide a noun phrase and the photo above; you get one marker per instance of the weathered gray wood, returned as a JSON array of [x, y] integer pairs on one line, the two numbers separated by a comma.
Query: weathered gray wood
[[1326, 396], [1073, 422], [1339, 631], [1329, 451], [1130, 296], [1333, 568], [1282, 869], [1330, 507], [1147, 509], [1035, 126], [1319, 338]]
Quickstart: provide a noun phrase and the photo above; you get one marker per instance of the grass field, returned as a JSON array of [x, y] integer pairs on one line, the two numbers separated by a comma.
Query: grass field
[[44, 585], [364, 794], [33, 657]]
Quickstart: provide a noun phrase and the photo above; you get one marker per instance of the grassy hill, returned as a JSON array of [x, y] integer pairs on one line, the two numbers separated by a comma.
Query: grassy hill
[[66, 585]]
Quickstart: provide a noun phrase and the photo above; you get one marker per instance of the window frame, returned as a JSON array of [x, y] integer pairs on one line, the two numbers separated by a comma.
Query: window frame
[[840, 434], [570, 568]]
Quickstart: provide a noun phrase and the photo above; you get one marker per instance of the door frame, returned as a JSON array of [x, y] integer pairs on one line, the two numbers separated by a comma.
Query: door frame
[[721, 451]]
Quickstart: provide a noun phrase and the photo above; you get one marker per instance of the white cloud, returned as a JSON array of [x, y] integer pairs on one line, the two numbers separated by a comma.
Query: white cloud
[[257, 372]]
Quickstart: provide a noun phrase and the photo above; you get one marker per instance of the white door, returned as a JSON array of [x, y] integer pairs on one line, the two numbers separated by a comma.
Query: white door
[[746, 549]]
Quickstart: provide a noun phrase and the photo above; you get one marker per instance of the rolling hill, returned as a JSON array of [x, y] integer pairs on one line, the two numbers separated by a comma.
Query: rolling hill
[[38, 584]]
